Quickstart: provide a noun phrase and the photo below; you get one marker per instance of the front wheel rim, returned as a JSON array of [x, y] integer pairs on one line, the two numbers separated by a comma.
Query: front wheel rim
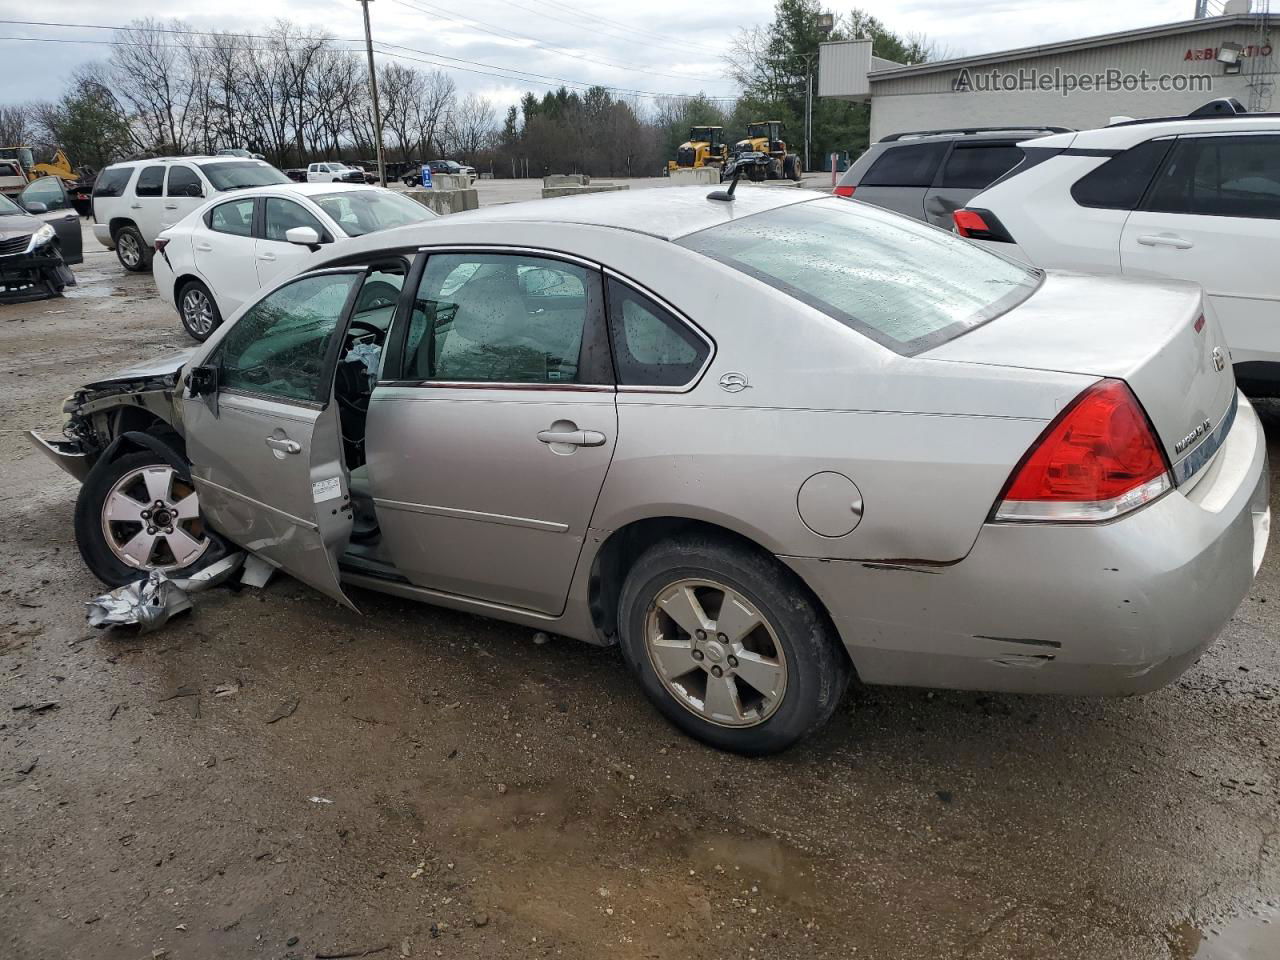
[[151, 520], [715, 653], [197, 312]]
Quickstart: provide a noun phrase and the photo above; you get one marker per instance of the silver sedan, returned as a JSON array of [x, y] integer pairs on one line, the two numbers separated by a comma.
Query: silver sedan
[[762, 443]]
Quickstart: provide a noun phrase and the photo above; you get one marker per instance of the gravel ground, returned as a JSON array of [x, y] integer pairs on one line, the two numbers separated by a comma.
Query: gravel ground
[[274, 776]]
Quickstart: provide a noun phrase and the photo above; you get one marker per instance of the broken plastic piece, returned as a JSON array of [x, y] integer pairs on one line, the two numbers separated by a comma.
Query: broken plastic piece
[[152, 602], [257, 572]]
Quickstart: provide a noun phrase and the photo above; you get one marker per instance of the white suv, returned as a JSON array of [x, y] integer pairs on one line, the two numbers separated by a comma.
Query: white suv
[[1192, 198], [134, 201]]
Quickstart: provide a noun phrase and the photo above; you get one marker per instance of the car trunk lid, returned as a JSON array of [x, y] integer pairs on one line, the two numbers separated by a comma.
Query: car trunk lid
[[1158, 337]]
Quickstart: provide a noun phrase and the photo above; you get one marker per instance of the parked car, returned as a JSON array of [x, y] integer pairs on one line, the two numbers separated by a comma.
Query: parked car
[[240, 152], [759, 467], [134, 201], [53, 201], [1193, 198], [413, 177], [12, 179], [334, 173], [297, 174], [928, 174], [33, 255], [224, 252]]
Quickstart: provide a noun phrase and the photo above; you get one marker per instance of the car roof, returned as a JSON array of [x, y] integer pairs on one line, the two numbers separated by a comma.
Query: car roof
[[204, 158], [294, 186], [1126, 134], [664, 212], [1012, 131]]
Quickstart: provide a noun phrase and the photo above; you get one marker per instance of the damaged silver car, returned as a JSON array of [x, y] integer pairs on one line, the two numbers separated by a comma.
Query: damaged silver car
[[757, 466], [37, 242]]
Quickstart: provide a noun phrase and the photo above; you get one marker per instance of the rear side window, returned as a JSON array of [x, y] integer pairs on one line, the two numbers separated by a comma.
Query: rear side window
[[1120, 182], [183, 182], [651, 348], [912, 165], [1221, 177], [899, 282], [976, 167], [150, 181], [111, 182], [234, 217]]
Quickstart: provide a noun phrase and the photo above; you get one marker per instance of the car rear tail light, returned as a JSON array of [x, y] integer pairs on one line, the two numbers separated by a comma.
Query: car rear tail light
[[843, 191], [1097, 461], [161, 243], [980, 225]]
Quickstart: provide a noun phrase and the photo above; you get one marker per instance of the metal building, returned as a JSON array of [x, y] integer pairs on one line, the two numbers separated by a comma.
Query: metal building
[[1166, 70]]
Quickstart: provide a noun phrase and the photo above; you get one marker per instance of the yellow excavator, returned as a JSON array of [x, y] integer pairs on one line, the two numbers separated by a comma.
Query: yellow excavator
[[704, 148], [59, 167], [762, 154]]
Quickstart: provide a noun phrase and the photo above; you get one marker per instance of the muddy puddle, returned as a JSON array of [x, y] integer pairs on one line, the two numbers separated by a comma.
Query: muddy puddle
[[1254, 935], [776, 867]]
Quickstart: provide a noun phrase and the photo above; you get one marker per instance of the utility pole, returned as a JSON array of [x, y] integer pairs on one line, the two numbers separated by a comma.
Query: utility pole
[[373, 91]]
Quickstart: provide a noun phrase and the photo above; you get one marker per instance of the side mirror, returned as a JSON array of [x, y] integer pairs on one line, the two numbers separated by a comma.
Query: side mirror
[[195, 190], [35, 206], [303, 236], [202, 381]]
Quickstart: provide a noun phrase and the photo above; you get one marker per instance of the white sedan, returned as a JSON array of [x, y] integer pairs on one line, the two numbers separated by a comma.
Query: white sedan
[[225, 251]]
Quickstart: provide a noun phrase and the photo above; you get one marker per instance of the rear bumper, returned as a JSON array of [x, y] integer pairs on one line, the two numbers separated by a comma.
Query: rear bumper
[[1116, 608], [102, 233]]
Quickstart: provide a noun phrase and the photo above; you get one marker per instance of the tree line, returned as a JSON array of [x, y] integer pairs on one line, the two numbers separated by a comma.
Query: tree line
[[296, 96]]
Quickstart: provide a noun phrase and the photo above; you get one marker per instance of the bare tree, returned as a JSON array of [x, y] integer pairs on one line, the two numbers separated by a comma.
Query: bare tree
[[154, 73], [470, 126]]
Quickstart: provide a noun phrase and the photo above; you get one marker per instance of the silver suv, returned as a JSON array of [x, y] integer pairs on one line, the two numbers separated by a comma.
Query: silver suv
[[929, 174]]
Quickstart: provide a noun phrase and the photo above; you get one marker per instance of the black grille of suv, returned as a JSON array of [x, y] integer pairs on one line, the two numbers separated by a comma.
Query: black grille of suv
[[14, 245]]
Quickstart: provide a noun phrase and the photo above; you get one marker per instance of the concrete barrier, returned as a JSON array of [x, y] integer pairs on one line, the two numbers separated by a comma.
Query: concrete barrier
[[446, 201], [693, 175], [566, 180], [450, 181], [573, 191]]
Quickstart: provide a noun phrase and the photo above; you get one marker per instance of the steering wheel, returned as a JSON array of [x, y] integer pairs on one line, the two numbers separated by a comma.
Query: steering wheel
[[377, 294], [378, 334]]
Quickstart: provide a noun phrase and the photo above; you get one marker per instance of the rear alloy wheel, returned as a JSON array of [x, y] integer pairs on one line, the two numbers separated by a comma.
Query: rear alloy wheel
[[727, 643], [131, 250], [199, 313], [139, 514]]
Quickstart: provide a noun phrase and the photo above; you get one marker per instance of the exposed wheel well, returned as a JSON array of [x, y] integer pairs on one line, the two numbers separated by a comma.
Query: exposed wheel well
[[181, 282], [624, 546], [116, 224]]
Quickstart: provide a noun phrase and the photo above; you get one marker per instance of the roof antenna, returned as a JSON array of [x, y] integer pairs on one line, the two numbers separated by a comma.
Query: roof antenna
[[727, 194]]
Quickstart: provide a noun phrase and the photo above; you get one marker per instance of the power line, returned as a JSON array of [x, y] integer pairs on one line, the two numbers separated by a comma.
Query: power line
[[543, 45]]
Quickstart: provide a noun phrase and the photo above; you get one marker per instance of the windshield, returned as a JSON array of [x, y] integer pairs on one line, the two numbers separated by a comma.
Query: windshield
[[9, 208], [236, 174], [359, 212], [902, 283]]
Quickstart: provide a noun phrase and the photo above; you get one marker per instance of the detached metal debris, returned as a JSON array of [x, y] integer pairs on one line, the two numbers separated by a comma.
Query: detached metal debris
[[152, 602]]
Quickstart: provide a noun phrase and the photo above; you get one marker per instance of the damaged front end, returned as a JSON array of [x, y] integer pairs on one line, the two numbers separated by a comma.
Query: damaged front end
[[135, 401], [37, 272]]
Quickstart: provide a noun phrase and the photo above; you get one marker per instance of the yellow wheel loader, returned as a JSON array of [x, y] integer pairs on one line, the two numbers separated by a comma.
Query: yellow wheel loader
[[762, 155], [704, 148]]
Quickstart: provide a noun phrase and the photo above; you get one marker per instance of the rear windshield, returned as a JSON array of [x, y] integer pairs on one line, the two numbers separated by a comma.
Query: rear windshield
[[900, 282], [236, 175], [359, 212], [111, 182]]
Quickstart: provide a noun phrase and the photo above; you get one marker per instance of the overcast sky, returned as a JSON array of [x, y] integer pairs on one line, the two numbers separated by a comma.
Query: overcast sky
[[658, 46]]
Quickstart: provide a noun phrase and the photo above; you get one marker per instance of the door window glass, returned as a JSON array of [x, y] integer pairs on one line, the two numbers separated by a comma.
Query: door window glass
[[46, 190], [283, 215], [499, 319], [1221, 177], [183, 182], [650, 346], [150, 180], [112, 181], [909, 166], [278, 347], [978, 166], [1120, 182], [235, 217]]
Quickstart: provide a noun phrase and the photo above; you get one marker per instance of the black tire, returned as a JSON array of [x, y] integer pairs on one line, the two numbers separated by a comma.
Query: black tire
[[791, 167], [817, 668], [193, 300], [131, 250], [91, 536]]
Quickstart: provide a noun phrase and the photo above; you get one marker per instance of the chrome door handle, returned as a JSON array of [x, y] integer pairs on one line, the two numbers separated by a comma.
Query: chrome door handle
[[203, 247], [284, 446], [1162, 241], [72, 216], [577, 438], [171, 206], [135, 206]]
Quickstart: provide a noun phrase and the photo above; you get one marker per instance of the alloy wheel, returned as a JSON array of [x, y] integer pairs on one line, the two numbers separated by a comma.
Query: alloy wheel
[[151, 520], [130, 252], [197, 312], [715, 653]]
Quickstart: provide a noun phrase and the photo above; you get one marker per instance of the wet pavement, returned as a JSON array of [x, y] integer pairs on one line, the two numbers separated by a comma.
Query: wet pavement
[[274, 767]]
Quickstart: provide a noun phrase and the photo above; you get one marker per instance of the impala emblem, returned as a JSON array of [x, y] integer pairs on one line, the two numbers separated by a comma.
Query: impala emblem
[[734, 382], [1219, 361]]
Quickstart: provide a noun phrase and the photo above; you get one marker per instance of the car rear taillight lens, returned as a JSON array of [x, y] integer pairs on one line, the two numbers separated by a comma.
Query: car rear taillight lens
[[843, 191], [161, 243], [1098, 460], [980, 225]]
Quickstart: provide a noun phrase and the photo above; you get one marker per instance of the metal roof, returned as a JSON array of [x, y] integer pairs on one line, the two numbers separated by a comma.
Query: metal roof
[[1067, 46]]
